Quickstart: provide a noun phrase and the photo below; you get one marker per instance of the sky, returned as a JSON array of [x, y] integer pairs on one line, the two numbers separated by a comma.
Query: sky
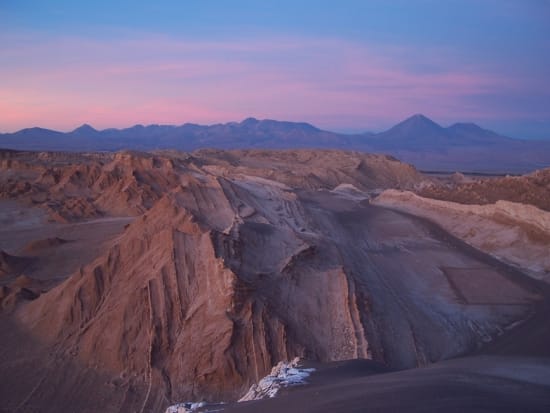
[[346, 66]]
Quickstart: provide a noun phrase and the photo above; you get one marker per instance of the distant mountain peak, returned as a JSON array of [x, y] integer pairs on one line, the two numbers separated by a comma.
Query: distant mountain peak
[[419, 119], [466, 125], [417, 125], [37, 131], [85, 128], [250, 121], [420, 116]]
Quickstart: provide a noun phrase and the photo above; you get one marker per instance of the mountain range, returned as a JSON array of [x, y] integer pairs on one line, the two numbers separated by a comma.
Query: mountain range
[[418, 140]]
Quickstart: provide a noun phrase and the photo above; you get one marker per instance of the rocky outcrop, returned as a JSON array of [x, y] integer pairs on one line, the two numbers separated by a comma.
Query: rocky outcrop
[[123, 184], [313, 169], [129, 183], [532, 189], [15, 287], [11, 264], [284, 374], [517, 233], [184, 297]]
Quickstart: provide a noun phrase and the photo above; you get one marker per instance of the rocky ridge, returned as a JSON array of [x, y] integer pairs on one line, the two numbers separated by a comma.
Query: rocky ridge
[[532, 189]]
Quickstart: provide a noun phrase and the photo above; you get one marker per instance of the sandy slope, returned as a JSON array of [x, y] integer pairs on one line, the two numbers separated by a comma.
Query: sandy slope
[[474, 384], [517, 233]]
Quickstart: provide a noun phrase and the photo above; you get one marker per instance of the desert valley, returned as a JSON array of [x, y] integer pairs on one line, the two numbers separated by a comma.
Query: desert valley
[[134, 281]]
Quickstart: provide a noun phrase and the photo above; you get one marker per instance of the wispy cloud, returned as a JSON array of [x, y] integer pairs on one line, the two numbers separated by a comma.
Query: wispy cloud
[[61, 82]]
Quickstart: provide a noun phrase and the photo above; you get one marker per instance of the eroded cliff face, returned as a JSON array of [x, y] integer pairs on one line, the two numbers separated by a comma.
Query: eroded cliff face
[[194, 301], [241, 260], [73, 186]]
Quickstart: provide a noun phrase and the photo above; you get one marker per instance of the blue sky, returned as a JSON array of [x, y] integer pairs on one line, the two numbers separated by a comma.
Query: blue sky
[[346, 66]]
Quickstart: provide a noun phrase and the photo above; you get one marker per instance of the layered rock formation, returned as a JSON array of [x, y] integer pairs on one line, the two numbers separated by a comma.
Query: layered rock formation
[[238, 260], [515, 232]]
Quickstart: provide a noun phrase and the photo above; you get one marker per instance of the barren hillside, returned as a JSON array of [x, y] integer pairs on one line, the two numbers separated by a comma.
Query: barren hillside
[[188, 276]]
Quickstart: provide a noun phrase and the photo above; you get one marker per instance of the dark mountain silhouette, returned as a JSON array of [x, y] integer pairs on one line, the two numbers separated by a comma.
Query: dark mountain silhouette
[[85, 130], [417, 140], [412, 132], [460, 147], [471, 133], [421, 133], [37, 133]]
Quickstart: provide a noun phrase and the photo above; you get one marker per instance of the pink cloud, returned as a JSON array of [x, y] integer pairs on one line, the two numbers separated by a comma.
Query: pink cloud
[[61, 83]]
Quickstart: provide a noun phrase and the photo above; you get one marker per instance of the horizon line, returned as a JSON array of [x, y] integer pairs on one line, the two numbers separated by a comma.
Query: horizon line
[[340, 131]]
